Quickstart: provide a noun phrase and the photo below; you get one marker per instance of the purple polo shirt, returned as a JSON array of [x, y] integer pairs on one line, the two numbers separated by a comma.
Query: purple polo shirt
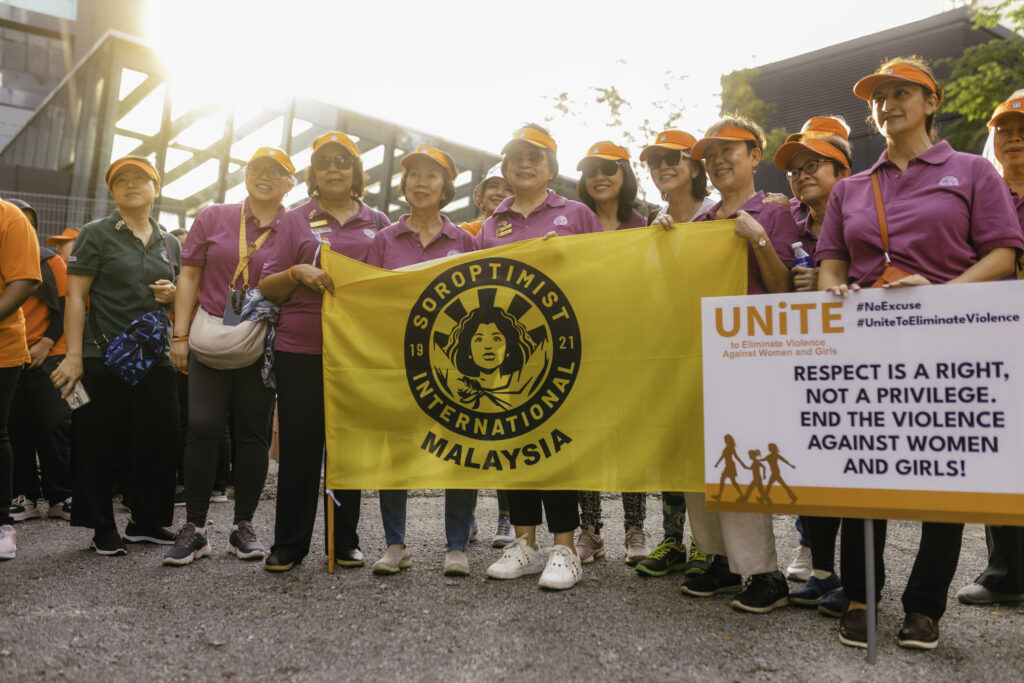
[[946, 211], [805, 235], [777, 221], [212, 244], [1018, 202], [298, 238], [557, 213], [399, 245], [635, 221]]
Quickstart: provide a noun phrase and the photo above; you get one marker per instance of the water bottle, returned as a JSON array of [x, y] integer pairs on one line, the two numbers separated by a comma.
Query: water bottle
[[802, 258]]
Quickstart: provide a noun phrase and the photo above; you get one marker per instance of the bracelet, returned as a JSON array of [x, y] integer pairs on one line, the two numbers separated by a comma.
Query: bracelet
[[182, 338], [292, 278]]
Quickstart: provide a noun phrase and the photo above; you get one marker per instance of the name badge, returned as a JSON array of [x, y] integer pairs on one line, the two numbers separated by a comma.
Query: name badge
[[233, 307], [317, 224], [503, 230]]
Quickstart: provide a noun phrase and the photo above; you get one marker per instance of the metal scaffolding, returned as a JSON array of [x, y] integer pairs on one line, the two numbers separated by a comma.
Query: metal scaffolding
[[117, 101]]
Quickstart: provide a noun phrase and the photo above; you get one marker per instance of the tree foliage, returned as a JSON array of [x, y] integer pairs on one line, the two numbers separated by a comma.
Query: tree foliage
[[984, 75], [738, 97]]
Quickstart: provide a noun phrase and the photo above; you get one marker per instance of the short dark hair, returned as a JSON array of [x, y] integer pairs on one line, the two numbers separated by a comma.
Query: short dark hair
[[358, 179], [627, 195], [552, 157], [447, 191]]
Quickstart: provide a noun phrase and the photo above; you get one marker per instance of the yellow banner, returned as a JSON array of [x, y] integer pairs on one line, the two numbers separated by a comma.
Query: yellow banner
[[568, 363]]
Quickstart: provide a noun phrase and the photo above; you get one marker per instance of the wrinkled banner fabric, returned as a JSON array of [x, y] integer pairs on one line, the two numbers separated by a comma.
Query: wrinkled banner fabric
[[568, 363]]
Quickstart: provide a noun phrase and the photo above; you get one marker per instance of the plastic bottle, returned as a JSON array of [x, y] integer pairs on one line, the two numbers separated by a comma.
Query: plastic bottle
[[802, 258]]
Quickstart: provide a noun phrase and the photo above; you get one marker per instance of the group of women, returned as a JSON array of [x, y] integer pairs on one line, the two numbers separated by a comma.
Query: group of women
[[934, 231]]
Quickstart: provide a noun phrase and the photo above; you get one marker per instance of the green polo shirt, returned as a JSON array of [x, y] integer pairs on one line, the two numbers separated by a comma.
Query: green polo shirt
[[122, 268]]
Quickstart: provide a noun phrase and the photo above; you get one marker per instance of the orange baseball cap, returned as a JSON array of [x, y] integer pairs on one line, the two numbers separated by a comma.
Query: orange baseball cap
[[532, 136], [895, 72], [140, 163], [1014, 105], [604, 150], [828, 125], [274, 154], [68, 235], [435, 155], [339, 138], [728, 133], [817, 145], [670, 139]]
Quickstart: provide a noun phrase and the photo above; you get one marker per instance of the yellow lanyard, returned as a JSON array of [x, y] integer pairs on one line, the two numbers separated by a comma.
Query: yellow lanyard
[[245, 252]]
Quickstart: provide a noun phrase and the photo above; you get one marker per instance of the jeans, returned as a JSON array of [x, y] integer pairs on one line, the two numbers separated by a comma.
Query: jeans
[[458, 516]]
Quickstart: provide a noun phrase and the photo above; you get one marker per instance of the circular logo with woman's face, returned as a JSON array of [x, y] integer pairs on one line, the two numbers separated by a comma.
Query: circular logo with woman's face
[[492, 348]]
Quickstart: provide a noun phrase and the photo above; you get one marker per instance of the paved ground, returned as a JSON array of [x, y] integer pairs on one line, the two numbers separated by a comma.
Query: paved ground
[[69, 614]]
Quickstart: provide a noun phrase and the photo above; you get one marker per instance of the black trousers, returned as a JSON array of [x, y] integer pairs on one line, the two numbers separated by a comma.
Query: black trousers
[[213, 395], [300, 405], [934, 566], [40, 424], [1005, 570], [559, 507], [136, 426], [8, 381], [822, 532]]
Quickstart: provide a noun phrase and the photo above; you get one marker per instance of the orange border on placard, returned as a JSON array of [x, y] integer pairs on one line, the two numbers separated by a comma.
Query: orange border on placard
[[932, 506]]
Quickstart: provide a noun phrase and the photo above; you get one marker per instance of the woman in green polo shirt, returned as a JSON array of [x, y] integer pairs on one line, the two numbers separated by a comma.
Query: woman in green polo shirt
[[122, 267]]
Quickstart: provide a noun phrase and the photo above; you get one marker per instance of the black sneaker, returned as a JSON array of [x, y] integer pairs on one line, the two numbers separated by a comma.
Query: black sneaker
[[243, 543], [189, 545], [145, 533], [108, 542], [764, 593], [669, 556], [282, 559], [716, 579]]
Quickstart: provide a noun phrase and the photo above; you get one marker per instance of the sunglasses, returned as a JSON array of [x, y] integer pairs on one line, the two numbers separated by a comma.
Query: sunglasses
[[342, 162], [534, 156], [810, 168], [672, 158], [273, 170], [606, 167]]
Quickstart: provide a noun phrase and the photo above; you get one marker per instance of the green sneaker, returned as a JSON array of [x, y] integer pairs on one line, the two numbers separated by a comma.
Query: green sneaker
[[698, 562], [669, 556]]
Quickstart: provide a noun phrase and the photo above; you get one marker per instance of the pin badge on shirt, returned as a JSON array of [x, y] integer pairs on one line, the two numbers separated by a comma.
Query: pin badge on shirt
[[317, 224], [504, 228], [561, 220]]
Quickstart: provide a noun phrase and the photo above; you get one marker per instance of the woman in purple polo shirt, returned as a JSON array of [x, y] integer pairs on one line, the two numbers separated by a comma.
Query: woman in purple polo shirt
[[608, 187], [814, 160], [423, 234], [950, 219], [529, 163], [1003, 578], [743, 543], [292, 277], [217, 271]]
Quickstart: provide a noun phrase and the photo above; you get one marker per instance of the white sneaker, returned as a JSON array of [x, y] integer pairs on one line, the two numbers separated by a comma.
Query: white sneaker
[[564, 569], [801, 566], [8, 542], [518, 559], [22, 508], [503, 535], [396, 558]]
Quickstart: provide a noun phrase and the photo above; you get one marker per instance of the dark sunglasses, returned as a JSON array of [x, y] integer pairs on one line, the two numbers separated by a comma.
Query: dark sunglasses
[[342, 162], [274, 171], [810, 168], [533, 155], [606, 167], [655, 160]]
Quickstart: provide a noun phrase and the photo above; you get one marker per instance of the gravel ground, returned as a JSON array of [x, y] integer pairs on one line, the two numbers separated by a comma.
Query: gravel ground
[[69, 614]]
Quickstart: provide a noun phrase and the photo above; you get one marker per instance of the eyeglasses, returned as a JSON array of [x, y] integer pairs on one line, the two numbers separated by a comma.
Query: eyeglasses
[[532, 156], [672, 158], [605, 167], [274, 171], [342, 162], [810, 168]]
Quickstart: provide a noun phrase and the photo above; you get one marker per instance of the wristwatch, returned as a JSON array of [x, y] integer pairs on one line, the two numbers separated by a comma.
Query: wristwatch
[[763, 242]]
